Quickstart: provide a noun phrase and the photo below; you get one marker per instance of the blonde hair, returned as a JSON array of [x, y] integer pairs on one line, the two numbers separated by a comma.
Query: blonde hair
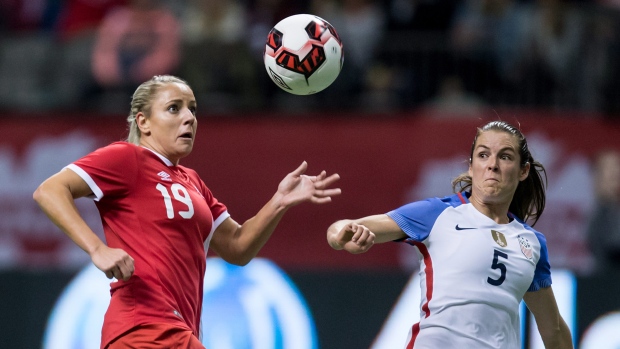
[[142, 100]]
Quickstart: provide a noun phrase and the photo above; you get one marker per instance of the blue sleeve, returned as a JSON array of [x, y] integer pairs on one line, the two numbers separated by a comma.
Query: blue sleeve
[[416, 219], [542, 274]]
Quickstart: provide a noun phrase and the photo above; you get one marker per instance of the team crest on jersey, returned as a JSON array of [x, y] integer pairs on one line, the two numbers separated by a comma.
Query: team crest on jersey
[[526, 247], [499, 238]]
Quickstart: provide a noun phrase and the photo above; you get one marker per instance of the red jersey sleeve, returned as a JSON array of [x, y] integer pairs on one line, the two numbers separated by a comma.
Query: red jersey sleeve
[[109, 171]]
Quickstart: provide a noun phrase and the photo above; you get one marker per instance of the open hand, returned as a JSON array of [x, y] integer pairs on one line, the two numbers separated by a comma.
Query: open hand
[[297, 187]]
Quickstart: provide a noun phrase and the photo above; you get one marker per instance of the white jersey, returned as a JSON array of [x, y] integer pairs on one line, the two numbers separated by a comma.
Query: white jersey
[[474, 273]]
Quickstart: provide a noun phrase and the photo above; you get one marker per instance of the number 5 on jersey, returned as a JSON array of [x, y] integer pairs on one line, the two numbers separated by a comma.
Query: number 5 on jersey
[[498, 265]]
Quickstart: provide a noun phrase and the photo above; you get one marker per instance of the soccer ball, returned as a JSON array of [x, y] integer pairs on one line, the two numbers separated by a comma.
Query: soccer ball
[[303, 54]]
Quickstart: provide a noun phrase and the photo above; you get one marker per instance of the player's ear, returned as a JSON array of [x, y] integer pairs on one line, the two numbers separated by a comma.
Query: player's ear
[[143, 123], [525, 171]]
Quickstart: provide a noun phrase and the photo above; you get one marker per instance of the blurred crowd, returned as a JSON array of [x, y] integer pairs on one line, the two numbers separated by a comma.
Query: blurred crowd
[[448, 57], [603, 230]]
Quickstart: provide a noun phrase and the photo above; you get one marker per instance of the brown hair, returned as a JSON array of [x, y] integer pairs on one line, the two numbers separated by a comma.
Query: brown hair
[[529, 198], [141, 102]]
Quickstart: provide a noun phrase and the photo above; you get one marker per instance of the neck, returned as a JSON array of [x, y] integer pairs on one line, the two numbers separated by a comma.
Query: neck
[[498, 212], [162, 156]]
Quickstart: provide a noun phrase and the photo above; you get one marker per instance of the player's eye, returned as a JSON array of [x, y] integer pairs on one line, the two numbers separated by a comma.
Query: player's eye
[[193, 110], [173, 108], [506, 157]]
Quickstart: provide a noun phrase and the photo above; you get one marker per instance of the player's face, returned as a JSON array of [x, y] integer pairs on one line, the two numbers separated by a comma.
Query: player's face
[[172, 123], [495, 167]]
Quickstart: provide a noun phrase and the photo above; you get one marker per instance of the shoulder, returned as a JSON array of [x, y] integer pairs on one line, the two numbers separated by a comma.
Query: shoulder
[[195, 179], [120, 146], [454, 200], [118, 149], [418, 218], [120, 153], [540, 236], [439, 203], [427, 209], [190, 172]]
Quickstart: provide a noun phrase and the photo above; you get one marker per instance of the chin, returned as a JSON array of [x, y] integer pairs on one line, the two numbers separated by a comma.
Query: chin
[[492, 195], [186, 148], [184, 152]]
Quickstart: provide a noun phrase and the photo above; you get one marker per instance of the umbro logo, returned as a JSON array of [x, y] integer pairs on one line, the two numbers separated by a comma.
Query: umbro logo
[[164, 176], [461, 228]]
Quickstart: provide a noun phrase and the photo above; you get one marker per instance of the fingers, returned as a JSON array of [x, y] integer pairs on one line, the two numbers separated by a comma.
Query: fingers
[[297, 187], [324, 196], [301, 169], [323, 182], [320, 182], [361, 234], [321, 195], [120, 272], [125, 268], [361, 240], [122, 269], [320, 200]]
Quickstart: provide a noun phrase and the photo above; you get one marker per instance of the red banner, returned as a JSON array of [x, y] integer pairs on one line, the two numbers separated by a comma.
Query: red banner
[[383, 163]]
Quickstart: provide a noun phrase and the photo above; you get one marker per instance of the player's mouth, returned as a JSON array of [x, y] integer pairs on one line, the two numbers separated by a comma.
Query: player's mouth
[[187, 135]]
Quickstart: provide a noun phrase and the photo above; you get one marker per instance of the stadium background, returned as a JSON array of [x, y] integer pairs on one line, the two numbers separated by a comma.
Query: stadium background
[[396, 125]]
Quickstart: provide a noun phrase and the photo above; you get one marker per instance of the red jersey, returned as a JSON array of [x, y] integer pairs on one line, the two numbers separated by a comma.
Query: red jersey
[[161, 215]]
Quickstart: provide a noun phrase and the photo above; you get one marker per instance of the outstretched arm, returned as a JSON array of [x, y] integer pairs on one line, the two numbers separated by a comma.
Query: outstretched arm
[[358, 236], [238, 244], [56, 197], [552, 328]]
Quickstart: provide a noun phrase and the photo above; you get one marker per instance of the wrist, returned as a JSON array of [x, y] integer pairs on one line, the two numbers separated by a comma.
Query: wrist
[[278, 203], [95, 248]]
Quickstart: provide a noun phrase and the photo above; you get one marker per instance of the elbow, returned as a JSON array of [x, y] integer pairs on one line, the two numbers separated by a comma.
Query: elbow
[[38, 195], [241, 262], [330, 237], [333, 234], [556, 338], [238, 259], [333, 243]]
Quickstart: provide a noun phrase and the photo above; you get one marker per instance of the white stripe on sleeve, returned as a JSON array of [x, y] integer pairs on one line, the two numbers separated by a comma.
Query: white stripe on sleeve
[[97, 193]]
